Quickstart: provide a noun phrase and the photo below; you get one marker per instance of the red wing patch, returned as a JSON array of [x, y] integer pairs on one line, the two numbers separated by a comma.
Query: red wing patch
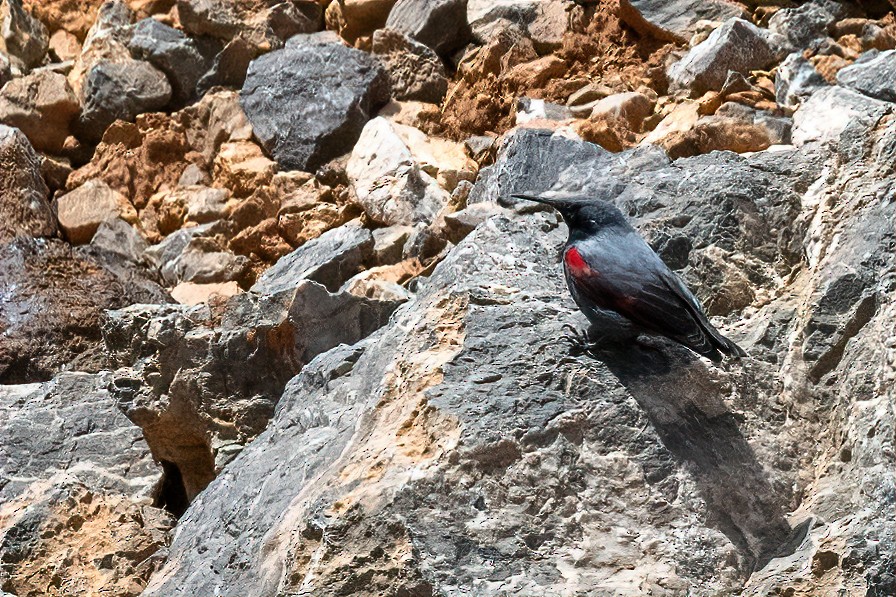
[[576, 263]]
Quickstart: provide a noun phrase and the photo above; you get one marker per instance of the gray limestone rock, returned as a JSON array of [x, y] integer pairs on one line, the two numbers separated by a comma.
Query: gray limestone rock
[[440, 24], [795, 80], [738, 45], [309, 101], [181, 58], [330, 260], [803, 24], [675, 20], [873, 74]]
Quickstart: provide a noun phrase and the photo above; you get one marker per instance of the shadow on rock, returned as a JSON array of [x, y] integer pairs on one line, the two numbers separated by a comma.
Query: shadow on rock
[[682, 397]]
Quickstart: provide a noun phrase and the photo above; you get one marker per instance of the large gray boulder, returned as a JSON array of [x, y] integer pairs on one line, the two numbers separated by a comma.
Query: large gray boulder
[[24, 209], [873, 74], [309, 101], [675, 20], [738, 46]]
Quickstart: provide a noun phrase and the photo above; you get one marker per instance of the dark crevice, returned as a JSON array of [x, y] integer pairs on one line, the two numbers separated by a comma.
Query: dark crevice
[[172, 494]]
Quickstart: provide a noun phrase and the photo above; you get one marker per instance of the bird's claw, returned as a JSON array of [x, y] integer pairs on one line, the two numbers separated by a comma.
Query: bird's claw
[[580, 340]]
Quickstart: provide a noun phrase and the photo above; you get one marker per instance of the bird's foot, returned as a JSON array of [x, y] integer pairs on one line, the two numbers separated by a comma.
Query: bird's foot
[[580, 340]]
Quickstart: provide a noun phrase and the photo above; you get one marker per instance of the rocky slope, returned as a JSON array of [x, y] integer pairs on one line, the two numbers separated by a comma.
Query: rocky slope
[[272, 324]]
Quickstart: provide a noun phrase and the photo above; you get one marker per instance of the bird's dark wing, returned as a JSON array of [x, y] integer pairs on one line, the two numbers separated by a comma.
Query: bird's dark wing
[[647, 298]]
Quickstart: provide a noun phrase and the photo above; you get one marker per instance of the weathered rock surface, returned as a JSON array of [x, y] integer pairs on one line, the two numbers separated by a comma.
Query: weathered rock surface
[[440, 24], [738, 46], [42, 105], [81, 211], [24, 37], [357, 18], [873, 74], [416, 73], [675, 20], [175, 54], [121, 91], [24, 210], [81, 495], [53, 301], [309, 101]]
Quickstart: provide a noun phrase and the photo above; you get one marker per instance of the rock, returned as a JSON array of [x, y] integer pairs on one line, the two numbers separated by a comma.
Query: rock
[[588, 94], [357, 18], [64, 46], [206, 407], [81, 211], [190, 293], [733, 127], [416, 73], [368, 285], [105, 42], [390, 184], [802, 25], [440, 24], [304, 215], [242, 167], [632, 108], [738, 46], [537, 110], [835, 114], [873, 75], [119, 237], [41, 105], [24, 37], [24, 210], [795, 80], [461, 223], [175, 243], [329, 260], [170, 210], [54, 300], [309, 101], [229, 66], [121, 91], [172, 52], [676, 20], [201, 264], [80, 480], [388, 243], [260, 23], [550, 25]]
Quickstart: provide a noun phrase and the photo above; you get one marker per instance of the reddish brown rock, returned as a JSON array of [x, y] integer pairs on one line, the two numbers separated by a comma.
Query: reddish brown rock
[[41, 105], [81, 211], [24, 210]]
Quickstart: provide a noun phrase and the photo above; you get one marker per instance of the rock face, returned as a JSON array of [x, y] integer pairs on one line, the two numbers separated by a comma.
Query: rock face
[[291, 340], [24, 210], [309, 101], [82, 494]]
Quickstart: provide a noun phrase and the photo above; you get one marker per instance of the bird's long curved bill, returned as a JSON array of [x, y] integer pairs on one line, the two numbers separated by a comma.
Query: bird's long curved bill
[[532, 197]]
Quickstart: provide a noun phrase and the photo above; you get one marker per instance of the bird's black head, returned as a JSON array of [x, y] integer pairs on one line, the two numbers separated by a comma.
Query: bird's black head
[[583, 215]]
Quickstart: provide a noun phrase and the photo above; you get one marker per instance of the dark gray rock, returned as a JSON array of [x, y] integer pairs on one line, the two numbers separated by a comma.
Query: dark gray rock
[[330, 260], [440, 24], [309, 101], [674, 20], [114, 91], [257, 22], [181, 58], [24, 37], [120, 238], [201, 264], [873, 74], [416, 73], [795, 80], [24, 209], [738, 45], [803, 24]]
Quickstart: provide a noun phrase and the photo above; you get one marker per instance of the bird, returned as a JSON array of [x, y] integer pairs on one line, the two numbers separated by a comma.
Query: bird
[[622, 286]]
